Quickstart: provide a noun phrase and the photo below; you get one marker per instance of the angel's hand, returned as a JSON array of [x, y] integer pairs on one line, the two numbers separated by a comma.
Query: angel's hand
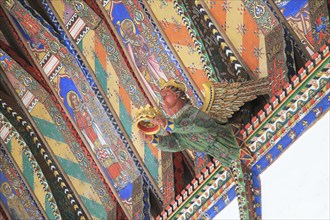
[[158, 120], [145, 137]]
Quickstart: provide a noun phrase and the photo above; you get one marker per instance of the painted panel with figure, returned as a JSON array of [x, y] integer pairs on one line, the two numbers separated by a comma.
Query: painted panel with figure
[[66, 77]]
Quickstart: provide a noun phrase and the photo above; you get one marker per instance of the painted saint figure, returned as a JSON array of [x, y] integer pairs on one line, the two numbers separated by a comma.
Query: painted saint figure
[[143, 57], [16, 208], [93, 135]]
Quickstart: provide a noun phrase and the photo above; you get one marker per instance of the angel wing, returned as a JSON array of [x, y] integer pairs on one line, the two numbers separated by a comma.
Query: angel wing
[[222, 100]]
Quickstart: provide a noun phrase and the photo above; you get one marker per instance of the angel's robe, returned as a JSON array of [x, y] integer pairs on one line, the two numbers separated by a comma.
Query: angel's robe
[[195, 130]]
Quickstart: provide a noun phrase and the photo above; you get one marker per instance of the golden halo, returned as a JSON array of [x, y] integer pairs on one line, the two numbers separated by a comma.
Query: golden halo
[[68, 97], [4, 190], [123, 26], [74, 6]]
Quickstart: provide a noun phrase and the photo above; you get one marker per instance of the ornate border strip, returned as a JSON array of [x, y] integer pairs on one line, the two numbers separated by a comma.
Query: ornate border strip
[[34, 164], [7, 157], [46, 157], [249, 131], [268, 158], [204, 58], [296, 81], [224, 46]]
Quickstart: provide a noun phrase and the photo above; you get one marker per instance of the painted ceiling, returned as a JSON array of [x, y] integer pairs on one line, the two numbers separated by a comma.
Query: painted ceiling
[[73, 74]]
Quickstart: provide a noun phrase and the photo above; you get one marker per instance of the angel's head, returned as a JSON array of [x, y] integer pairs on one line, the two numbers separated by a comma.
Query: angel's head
[[173, 95]]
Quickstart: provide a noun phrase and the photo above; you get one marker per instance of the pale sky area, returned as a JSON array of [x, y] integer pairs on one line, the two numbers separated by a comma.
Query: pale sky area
[[296, 185]]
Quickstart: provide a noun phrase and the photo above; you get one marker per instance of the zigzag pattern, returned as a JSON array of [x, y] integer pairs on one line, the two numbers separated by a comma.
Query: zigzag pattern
[[105, 2], [44, 152], [230, 55], [56, 71], [34, 210], [198, 44], [82, 34], [319, 96], [80, 149], [120, 49], [97, 34], [45, 59], [242, 202], [173, 59], [71, 21], [269, 132], [36, 168], [217, 185]]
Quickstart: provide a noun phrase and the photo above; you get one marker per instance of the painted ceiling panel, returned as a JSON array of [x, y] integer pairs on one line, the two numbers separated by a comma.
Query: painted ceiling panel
[[308, 21], [18, 166], [57, 66], [111, 72], [78, 71], [148, 51], [156, 58], [49, 121], [257, 36]]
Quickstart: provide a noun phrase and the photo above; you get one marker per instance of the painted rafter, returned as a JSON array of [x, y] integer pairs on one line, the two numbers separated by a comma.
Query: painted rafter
[[58, 178], [60, 99]]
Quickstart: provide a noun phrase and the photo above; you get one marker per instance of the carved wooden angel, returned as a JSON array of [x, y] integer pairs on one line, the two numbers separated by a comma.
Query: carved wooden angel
[[222, 100], [205, 129]]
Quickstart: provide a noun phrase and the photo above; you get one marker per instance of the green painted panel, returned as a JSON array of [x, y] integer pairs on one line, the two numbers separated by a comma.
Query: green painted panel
[[125, 118], [151, 162], [101, 75], [9, 147], [71, 169], [49, 211], [28, 171], [95, 209], [49, 129]]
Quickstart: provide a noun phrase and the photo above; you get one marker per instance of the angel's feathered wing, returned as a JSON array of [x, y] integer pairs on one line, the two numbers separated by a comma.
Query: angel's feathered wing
[[222, 100]]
